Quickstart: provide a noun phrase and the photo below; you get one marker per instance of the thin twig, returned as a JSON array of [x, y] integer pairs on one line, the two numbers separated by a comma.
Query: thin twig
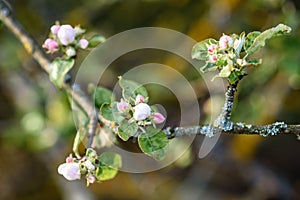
[[223, 121], [92, 129]]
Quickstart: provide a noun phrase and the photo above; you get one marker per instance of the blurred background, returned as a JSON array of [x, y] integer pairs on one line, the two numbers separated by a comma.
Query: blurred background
[[37, 127]]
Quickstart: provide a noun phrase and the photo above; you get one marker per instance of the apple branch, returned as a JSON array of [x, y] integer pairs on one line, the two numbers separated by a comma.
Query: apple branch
[[222, 124]]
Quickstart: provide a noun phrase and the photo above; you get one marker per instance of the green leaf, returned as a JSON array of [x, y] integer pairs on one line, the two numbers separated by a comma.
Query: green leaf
[[260, 40], [110, 163], [154, 143], [96, 40], [250, 39], [209, 67], [111, 159], [103, 95], [222, 60], [118, 117], [199, 50], [131, 89], [126, 130], [91, 153], [106, 173], [225, 72], [110, 112], [106, 112], [235, 76], [241, 40], [154, 108], [254, 62], [80, 135], [58, 69]]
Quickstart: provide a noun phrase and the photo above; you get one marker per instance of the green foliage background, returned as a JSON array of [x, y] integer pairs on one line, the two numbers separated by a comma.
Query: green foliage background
[[37, 128]]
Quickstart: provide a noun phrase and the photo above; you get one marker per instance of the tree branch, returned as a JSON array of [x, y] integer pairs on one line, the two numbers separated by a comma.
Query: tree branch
[[222, 124], [277, 128]]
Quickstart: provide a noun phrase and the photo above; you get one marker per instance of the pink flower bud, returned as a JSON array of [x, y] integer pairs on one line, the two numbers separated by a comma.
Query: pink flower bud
[[212, 48], [158, 118], [66, 34], [139, 99], [91, 179], [54, 29], [122, 106], [213, 58], [69, 159], [225, 42], [141, 111], [83, 43], [70, 52], [70, 171], [51, 45]]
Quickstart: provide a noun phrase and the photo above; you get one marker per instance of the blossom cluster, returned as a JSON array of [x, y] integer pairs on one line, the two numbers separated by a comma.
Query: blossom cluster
[[65, 38], [224, 54], [74, 168], [140, 111]]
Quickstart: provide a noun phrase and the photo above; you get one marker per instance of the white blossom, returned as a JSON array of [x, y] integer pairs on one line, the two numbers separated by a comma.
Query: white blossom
[[70, 171], [66, 34], [141, 111]]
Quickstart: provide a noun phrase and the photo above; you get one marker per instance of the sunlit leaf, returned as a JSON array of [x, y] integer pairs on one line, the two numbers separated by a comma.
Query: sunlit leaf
[[225, 72], [250, 38], [80, 135], [111, 159], [91, 153], [199, 50], [110, 163], [58, 69], [110, 112], [254, 62], [240, 45], [260, 40], [118, 117], [235, 76], [106, 112], [96, 40], [208, 67], [154, 143], [126, 130], [131, 89], [103, 95]]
